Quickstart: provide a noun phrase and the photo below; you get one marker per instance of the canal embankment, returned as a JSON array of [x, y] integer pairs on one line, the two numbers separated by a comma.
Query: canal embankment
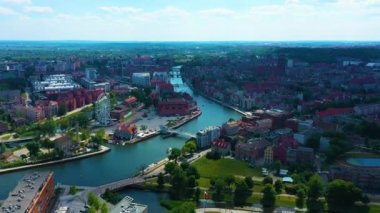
[[103, 149]]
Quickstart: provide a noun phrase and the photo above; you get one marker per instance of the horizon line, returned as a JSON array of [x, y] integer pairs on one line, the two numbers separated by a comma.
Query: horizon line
[[181, 41]]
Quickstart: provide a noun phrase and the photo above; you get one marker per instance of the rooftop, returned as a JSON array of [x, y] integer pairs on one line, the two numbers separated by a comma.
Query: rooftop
[[21, 197], [126, 205]]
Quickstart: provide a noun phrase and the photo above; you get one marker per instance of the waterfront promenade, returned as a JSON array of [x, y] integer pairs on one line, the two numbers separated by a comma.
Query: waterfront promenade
[[103, 149]]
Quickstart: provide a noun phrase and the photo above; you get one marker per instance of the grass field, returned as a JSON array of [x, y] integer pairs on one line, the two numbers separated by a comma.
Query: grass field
[[224, 167]]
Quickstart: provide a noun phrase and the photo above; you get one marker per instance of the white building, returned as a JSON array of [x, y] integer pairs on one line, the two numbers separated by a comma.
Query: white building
[[206, 136], [91, 74], [127, 205], [161, 76], [141, 79], [55, 83]]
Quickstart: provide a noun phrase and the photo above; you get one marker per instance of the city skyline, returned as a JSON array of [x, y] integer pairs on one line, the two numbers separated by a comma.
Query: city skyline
[[164, 20]]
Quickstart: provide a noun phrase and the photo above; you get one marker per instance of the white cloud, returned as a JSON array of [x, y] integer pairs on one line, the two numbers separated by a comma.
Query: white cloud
[[120, 10], [38, 9], [17, 1], [7, 11], [217, 12]]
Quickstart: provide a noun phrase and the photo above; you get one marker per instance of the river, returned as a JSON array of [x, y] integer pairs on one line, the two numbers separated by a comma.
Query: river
[[124, 161]]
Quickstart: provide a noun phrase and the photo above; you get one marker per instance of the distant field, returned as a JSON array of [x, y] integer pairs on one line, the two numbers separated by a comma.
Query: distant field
[[224, 167]]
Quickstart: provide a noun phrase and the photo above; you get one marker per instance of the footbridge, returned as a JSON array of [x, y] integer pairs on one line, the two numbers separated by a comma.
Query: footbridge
[[181, 133], [114, 186]]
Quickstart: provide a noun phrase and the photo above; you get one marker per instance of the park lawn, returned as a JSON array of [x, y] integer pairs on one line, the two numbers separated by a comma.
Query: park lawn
[[171, 204], [280, 200], [204, 182], [224, 167]]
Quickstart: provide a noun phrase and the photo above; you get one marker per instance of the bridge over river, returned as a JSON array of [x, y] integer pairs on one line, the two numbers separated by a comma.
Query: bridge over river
[[114, 186]]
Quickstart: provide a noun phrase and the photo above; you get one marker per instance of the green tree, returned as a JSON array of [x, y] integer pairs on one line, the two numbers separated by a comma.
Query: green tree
[[229, 180], [179, 183], [33, 148], [143, 127], [160, 181], [186, 207], [169, 167], [98, 139], [342, 194], [111, 197], [249, 182], [104, 208], [197, 194], [277, 166], [219, 188], [174, 154], [315, 186], [73, 190], [62, 110], [93, 201], [269, 196], [3, 148], [300, 200], [268, 180], [92, 209], [315, 191], [241, 194], [278, 185], [49, 127]]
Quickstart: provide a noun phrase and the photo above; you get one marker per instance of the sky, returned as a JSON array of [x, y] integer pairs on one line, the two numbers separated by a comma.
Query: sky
[[190, 20]]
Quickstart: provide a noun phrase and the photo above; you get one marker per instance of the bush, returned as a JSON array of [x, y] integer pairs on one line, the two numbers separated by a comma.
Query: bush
[[213, 155]]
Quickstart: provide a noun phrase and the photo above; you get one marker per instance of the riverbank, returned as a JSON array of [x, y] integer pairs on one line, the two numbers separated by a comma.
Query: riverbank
[[185, 121], [103, 149], [218, 101], [157, 132]]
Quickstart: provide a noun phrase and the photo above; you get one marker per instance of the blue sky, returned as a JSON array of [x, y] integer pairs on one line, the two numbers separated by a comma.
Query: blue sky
[[190, 20]]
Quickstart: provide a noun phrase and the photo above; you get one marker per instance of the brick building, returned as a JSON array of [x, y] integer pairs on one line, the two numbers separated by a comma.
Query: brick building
[[33, 194]]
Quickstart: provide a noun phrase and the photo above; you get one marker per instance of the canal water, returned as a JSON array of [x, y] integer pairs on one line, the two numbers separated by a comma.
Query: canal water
[[124, 161]]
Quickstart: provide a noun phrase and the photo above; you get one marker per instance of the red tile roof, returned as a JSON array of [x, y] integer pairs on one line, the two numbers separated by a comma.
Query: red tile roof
[[334, 111]]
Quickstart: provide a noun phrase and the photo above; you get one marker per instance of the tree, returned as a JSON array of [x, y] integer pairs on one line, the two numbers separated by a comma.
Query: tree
[[189, 147], [49, 127], [315, 191], [219, 188], [268, 180], [229, 180], [365, 199], [248, 180], [241, 194], [98, 139], [104, 208], [143, 127], [278, 185], [197, 194], [3, 148], [342, 194], [33, 148], [277, 166], [92, 209], [174, 154], [160, 181], [62, 110], [111, 197], [315, 185], [169, 167], [73, 190], [179, 183], [93, 201], [269, 196], [300, 201], [186, 207]]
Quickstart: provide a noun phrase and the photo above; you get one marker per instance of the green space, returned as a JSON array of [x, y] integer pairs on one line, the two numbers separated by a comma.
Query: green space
[[361, 155], [225, 167]]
